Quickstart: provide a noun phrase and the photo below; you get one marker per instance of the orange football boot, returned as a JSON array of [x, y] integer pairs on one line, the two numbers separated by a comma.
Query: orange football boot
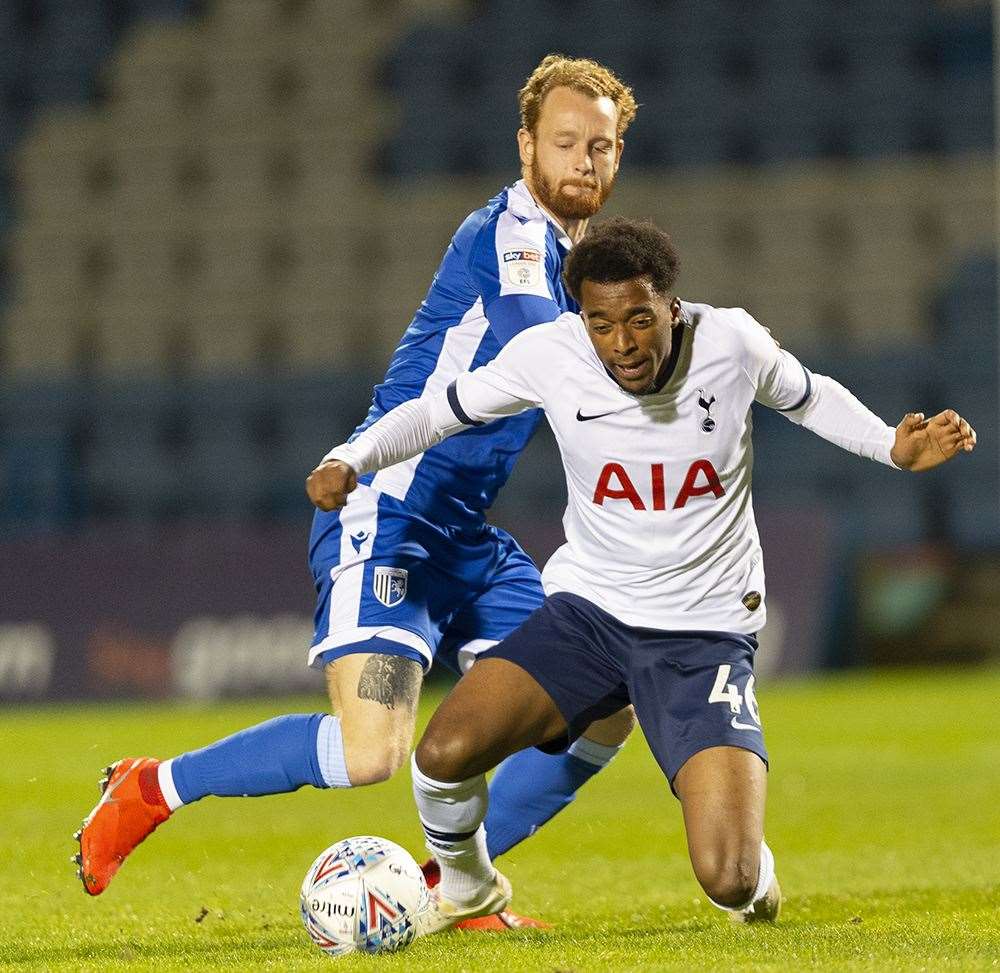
[[130, 808], [499, 922]]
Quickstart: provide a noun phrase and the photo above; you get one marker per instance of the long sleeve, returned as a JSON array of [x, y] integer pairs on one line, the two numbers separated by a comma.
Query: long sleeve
[[402, 432], [491, 392], [816, 402], [832, 412]]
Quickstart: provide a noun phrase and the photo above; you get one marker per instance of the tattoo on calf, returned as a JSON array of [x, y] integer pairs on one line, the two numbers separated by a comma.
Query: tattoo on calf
[[389, 680]]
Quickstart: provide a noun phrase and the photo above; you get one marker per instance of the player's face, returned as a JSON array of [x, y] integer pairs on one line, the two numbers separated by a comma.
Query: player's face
[[631, 326], [572, 156]]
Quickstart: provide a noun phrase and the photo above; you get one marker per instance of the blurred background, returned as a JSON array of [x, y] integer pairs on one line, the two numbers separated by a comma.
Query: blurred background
[[218, 216]]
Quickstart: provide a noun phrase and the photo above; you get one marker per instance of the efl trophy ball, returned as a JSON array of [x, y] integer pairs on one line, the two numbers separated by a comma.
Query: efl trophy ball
[[362, 894]]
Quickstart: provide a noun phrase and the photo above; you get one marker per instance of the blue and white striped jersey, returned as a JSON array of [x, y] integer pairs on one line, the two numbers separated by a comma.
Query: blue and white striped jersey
[[501, 273]]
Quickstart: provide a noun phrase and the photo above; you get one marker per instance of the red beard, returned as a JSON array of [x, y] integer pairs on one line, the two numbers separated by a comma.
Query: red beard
[[581, 206]]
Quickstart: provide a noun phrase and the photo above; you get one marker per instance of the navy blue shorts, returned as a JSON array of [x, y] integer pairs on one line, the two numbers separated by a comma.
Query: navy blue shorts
[[690, 690]]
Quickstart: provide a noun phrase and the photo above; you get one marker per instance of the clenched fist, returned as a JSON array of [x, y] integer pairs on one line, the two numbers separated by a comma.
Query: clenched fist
[[329, 484]]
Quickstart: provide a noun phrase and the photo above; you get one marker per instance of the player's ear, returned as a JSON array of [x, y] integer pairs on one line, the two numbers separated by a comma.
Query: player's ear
[[618, 154], [675, 312], [525, 146]]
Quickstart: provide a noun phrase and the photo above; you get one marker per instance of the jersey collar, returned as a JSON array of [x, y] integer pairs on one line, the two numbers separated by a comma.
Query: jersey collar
[[522, 204], [676, 343]]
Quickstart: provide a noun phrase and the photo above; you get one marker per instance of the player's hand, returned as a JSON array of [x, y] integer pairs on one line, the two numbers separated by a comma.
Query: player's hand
[[329, 484], [922, 444]]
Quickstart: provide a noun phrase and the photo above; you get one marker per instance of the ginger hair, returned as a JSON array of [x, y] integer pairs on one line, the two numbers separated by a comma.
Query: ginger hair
[[580, 74]]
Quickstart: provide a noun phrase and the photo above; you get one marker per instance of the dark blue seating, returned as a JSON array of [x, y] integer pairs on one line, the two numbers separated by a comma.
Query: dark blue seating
[[718, 80]]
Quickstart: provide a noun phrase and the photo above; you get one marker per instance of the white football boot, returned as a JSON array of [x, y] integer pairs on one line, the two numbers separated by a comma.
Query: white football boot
[[442, 913], [765, 909]]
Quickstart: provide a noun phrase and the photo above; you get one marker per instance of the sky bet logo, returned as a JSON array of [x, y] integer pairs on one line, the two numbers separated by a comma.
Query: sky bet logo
[[615, 484], [523, 267]]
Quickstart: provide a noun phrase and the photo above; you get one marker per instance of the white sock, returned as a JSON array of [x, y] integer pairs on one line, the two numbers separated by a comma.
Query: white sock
[[452, 816], [765, 875], [330, 752], [598, 754], [165, 778]]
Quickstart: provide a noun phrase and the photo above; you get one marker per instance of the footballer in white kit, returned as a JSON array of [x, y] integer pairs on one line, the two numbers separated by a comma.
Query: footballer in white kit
[[654, 481], [657, 594]]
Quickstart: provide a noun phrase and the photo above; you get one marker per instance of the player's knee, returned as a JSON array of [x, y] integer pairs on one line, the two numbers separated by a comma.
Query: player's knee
[[445, 757], [728, 880], [372, 765]]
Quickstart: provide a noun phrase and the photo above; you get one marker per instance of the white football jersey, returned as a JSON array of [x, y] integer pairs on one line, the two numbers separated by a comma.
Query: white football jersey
[[660, 529]]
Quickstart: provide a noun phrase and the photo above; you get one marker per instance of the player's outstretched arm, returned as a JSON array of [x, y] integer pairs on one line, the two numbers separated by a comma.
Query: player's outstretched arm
[[834, 413], [413, 427], [402, 432], [825, 407], [921, 444]]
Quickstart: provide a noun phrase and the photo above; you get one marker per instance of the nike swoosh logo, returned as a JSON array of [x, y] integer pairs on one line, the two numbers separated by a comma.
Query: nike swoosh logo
[[580, 417], [737, 725], [108, 796]]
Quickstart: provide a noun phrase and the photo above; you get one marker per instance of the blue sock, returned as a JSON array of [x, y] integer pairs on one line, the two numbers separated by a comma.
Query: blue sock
[[274, 757], [530, 787]]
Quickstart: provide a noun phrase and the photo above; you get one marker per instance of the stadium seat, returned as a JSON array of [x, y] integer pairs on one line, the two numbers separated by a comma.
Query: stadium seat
[[224, 460], [129, 472]]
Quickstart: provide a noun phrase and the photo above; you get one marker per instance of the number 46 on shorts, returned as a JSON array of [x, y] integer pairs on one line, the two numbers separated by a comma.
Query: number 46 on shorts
[[724, 691]]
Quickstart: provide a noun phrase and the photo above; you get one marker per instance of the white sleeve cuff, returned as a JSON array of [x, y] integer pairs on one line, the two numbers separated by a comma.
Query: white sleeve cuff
[[346, 454]]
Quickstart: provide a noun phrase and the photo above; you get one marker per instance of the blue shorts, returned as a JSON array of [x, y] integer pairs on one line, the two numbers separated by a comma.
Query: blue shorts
[[690, 690], [418, 589]]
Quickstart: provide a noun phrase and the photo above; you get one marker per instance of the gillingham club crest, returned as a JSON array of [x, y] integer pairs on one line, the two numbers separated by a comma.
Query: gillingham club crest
[[389, 585]]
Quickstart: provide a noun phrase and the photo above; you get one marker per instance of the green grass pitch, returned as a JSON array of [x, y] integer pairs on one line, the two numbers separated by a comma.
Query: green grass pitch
[[884, 815]]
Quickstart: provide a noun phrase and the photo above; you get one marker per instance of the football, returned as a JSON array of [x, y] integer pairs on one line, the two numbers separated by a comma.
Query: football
[[362, 894]]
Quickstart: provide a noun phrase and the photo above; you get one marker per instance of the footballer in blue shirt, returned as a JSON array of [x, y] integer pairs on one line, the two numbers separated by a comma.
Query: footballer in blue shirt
[[410, 571]]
